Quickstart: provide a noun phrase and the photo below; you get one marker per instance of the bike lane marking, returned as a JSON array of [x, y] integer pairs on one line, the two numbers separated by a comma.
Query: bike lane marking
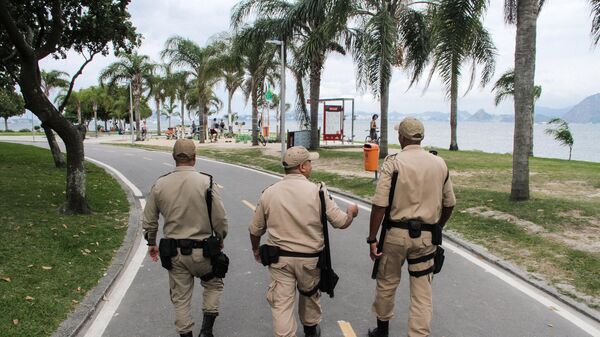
[[346, 328]]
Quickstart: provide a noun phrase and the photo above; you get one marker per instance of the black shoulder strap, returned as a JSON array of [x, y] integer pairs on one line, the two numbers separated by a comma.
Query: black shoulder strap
[[209, 201], [324, 220]]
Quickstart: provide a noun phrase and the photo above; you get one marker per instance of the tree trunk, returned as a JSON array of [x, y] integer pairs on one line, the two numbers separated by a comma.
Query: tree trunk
[[531, 131], [5, 123], [229, 98], [59, 160], [137, 97], [570, 150], [315, 91], [525, 50], [383, 112], [202, 121], [254, 114], [182, 116], [453, 112], [95, 107], [39, 104], [157, 100]]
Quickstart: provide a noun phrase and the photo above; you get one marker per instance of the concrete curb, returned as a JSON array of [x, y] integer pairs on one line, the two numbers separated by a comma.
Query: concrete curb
[[86, 309]]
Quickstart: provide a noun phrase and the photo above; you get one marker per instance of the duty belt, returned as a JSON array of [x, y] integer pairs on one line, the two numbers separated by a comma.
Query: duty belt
[[189, 243], [406, 225], [297, 254]]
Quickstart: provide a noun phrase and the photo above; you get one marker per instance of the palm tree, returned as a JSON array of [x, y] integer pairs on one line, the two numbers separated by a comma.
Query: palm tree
[[257, 59], [505, 87], [561, 133], [202, 63], [524, 14], [135, 69], [156, 86], [183, 86], [51, 80], [316, 25], [232, 73], [458, 36], [391, 34]]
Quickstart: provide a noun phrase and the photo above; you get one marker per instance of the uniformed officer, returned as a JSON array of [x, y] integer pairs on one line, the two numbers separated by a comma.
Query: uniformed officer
[[289, 211], [180, 197], [423, 196]]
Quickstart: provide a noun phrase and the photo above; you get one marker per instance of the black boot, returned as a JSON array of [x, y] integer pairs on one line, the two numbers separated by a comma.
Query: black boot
[[382, 329], [312, 331], [187, 334], [207, 325]]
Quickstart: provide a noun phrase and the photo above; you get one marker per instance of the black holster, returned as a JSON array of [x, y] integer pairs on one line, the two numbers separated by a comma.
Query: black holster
[[211, 247], [186, 246], [414, 228], [219, 261], [438, 259], [268, 254], [167, 248]]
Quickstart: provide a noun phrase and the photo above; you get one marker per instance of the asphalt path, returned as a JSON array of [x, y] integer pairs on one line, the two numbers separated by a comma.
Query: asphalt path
[[469, 300]]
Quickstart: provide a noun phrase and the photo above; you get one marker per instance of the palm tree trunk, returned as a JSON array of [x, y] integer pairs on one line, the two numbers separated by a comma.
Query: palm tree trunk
[[453, 112], [254, 114], [229, 98], [383, 112], [137, 100], [525, 50], [315, 92], [202, 121], [182, 116], [570, 150], [5, 123], [157, 101], [530, 154]]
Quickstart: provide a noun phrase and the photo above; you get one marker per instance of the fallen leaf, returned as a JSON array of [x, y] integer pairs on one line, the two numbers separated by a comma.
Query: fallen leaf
[[87, 250], [78, 289], [75, 235], [29, 266], [15, 321], [65, 226], [74, 301], [6, 278], [29, 298], [46, 267]]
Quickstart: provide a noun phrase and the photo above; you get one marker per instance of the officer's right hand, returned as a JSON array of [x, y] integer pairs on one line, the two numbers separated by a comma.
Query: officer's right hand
[[373, 251], [256, 255], [153, 251], [352, 210]]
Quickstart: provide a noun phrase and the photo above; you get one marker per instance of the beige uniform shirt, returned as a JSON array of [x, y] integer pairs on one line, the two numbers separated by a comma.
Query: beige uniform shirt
[[421, 189], [290, 211], [180, 197]]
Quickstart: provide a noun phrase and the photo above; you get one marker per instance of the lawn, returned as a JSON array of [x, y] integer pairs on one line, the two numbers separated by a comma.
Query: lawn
[[50, 261]]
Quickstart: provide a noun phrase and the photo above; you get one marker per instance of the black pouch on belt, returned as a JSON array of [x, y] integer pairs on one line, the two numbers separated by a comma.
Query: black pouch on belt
[[436, 235], [268, 254], [167, 248], [414, 228], [220, 265], [186, 246], [438, 259], [211, 247]]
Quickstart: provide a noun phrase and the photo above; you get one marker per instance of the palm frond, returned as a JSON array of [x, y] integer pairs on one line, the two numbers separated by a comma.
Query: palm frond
[[595, 21]]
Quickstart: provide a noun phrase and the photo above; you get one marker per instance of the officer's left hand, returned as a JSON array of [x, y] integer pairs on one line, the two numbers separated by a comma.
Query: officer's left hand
[[373, 251], [153, 251]]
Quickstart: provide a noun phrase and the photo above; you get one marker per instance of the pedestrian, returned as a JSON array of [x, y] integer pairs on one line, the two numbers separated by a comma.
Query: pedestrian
[[289, 212], [189, 231], [373, 128], [421, 204], [221, 128], [214, 130]]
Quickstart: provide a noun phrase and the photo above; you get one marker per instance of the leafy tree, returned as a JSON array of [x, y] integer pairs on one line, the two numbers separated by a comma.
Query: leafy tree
[[524, 14], [458, 36], [561, 133], [505, 87], [54, 79], [157, 91], [232, 73], [135, 69], [11, 104], [391, 34], [31, 31], [202, 63], [183, 87]]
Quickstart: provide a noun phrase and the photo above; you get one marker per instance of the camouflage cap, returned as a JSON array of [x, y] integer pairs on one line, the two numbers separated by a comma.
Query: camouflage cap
[[411, 128], [296, 155], [184, 149]]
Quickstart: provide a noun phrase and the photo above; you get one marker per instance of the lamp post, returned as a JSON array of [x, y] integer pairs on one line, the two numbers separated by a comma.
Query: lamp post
[[281, 95]]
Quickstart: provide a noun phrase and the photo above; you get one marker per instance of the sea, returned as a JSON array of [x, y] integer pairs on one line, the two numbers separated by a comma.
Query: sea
[[495, 137]]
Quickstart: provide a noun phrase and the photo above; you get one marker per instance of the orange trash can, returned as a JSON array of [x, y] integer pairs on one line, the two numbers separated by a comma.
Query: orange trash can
[[265, 131], [371, 157]]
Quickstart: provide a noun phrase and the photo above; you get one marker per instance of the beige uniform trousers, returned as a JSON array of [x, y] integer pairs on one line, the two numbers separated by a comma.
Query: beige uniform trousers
[[181, 284], [285, 276], [397, 248]]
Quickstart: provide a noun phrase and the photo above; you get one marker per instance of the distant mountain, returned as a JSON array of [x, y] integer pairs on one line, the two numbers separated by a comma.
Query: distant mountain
[[481, 116], [587, 111], [551, 112]]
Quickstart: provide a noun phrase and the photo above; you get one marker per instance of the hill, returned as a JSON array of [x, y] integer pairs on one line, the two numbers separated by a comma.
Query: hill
[[587, 111]]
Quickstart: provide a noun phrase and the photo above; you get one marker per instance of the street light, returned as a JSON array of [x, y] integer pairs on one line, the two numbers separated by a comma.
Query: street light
[[281, 95]]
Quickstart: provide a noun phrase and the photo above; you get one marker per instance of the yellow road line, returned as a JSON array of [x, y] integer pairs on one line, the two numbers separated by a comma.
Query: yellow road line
[[249, 204], [147, 158], [346, 329]]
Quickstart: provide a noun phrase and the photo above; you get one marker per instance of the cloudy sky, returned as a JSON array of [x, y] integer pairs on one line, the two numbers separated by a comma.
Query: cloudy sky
[[568, 67]]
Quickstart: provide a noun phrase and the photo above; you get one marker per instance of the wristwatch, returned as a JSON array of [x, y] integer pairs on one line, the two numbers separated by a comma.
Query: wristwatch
[[370, 241]]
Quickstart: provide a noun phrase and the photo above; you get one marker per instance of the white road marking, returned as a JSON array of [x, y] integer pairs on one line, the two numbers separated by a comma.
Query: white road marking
[[169, 164], [129, 154], [249, 205], [147, 158], [136, 191], [346, 329], [525, 288]]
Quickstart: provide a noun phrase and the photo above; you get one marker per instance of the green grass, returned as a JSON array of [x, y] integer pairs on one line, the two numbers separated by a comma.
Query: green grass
[[483, 180], [34, 235]]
